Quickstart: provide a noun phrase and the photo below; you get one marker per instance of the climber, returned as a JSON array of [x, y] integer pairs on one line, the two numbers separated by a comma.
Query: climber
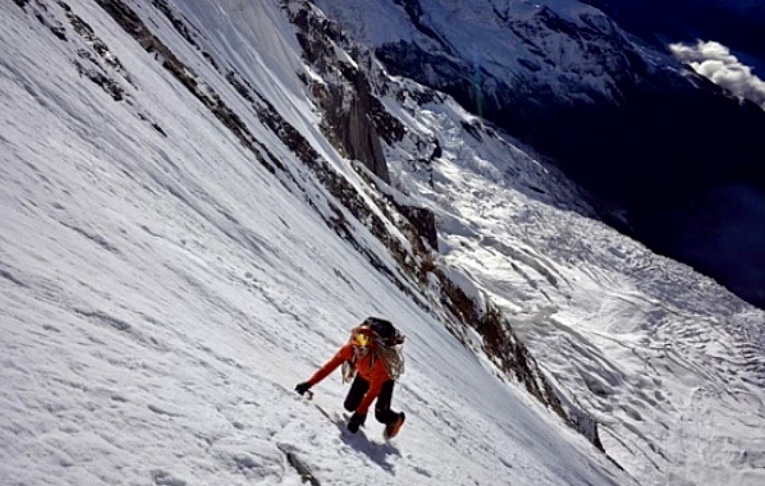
[[372, 358]]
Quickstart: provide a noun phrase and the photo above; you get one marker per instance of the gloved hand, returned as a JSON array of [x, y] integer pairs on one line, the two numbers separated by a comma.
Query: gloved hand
[[356, 421], [301, 388]]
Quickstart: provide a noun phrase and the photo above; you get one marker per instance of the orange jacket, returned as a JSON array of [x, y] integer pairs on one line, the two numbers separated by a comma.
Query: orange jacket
[[369, 368]]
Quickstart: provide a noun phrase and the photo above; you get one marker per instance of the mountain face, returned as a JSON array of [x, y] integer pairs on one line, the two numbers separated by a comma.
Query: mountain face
[[652, 142], [201, 198]]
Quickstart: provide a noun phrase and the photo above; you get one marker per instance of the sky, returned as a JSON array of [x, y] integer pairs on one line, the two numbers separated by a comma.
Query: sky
[[162, 292]]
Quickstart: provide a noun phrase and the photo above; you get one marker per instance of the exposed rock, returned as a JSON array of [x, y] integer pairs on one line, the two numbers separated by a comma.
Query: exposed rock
[[306, 476], [501, 343], [361, 140], [424, 222], [355, 119]]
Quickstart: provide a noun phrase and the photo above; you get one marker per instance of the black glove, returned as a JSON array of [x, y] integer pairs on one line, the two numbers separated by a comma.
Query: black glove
[[301, 388], [357, 420]]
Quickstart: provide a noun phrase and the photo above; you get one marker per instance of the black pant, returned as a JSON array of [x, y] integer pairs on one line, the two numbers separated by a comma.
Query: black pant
[[359, 388]]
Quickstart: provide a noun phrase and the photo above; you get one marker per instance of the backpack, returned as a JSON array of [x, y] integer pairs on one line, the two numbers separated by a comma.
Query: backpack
[[385, 330], [388, 341]]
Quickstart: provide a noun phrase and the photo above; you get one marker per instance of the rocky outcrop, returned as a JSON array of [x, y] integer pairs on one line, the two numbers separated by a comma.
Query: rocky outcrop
[[354, 119], [355, 126], [424, 222]]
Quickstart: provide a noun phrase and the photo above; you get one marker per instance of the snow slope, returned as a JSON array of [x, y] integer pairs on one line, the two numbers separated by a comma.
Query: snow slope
[[162, 291]]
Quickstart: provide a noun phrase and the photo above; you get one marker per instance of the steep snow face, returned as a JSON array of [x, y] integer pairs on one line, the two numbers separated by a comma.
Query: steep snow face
[[170, 268]]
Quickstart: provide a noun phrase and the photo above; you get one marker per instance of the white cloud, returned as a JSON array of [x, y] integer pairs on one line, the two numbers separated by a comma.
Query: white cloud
[[715, 62]]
